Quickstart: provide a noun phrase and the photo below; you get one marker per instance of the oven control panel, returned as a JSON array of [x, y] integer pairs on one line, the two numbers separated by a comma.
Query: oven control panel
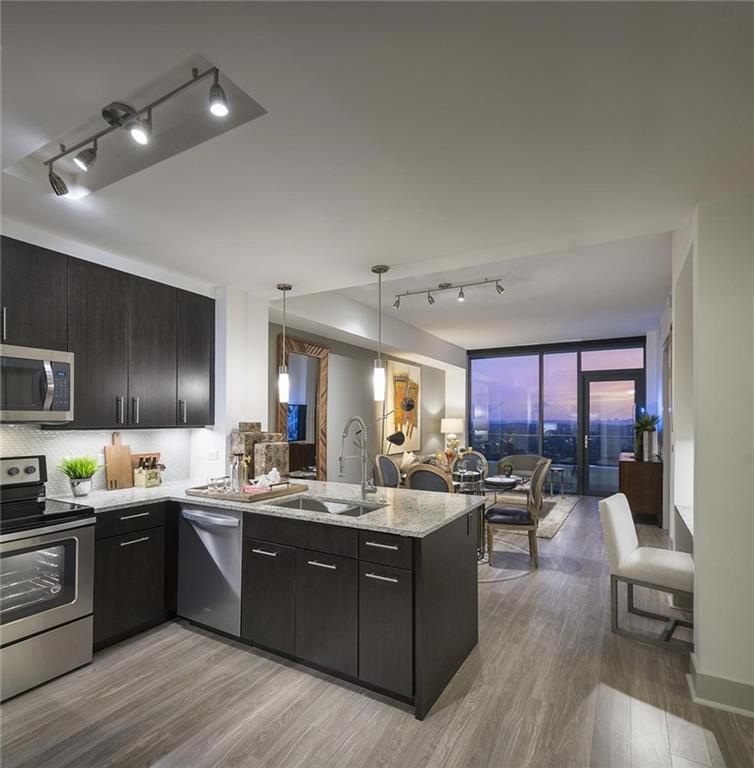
[[21, 470]]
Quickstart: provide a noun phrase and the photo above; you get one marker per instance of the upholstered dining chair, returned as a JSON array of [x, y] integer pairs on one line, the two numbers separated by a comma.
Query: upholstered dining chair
[[425, 477], [388, 474], [520, 518], [664, 570], [472, 460]]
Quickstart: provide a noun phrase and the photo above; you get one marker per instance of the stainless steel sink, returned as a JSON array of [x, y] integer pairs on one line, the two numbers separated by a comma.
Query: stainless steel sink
[[329, 506]]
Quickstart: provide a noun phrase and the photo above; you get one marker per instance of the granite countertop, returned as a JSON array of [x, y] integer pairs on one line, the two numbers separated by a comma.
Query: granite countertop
[[407, 512], [686, 512]]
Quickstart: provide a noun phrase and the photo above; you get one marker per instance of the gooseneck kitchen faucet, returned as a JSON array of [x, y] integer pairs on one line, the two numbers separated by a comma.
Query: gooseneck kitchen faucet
[[367, 486]]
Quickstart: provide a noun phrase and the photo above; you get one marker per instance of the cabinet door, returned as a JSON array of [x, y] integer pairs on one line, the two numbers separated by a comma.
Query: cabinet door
[[268, 596], [33, 295], [327, 610], [151, 353], [195, 342], [386, 618], [98, 336], [129, 584]]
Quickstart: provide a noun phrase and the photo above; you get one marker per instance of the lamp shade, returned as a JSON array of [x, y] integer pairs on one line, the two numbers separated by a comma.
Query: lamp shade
[[451, 426]]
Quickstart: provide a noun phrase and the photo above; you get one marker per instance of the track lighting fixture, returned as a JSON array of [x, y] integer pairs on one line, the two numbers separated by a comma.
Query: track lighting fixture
[[138, 122], [141, 128], [284, 382], [441, 287], [379, 378], [59, 187], [87, 157], [218, 104]]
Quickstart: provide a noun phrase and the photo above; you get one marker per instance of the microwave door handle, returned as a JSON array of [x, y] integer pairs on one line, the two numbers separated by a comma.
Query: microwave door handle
[[50, 386]]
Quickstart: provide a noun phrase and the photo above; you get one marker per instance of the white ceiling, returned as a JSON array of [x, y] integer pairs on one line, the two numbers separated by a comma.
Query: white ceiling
[[600, 291], [427, 136]]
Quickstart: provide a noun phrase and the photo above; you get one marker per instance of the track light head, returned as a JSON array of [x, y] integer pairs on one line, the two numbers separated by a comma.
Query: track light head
[[218, 103], [59, 187], [86, 158], [397, 303], [141, 128], [430, 298], [499, 287], [461, 296]]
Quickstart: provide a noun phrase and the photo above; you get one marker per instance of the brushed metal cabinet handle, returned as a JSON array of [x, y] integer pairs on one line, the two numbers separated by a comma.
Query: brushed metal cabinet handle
[[134, 541], [322, 565], [381, 578], [135, 409], [183, 411], [119, 410], [265, 552], [381, 546], [131, 517], [5, 323]]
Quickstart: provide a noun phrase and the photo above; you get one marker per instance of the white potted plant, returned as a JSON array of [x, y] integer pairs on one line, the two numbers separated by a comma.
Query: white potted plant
[[79, 470]]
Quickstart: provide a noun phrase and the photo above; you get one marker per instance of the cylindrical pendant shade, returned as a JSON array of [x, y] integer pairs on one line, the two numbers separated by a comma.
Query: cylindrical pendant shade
[[284, 385], [379, 381]]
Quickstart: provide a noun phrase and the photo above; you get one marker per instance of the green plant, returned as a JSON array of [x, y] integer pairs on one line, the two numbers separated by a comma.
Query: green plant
[[645, 422], [79, 467]]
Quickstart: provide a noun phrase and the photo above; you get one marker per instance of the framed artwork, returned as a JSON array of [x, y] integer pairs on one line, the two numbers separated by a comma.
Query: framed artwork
[[403, 380]]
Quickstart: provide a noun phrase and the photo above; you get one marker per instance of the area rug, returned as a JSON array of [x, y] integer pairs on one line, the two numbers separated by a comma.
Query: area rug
[[555, 511]]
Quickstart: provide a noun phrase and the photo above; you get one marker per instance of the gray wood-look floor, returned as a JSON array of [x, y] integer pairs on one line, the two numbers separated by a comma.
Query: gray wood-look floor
[[548, 686]]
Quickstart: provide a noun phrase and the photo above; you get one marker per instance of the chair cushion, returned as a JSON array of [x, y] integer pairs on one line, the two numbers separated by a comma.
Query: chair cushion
[[499, 515], [663, 567]]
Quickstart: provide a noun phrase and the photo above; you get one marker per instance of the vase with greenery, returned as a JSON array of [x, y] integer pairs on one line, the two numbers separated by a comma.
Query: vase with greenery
[[79, 470], [645, 422]]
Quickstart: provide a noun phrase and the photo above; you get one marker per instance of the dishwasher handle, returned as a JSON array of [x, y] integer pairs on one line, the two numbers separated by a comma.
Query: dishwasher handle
[[207, 518]]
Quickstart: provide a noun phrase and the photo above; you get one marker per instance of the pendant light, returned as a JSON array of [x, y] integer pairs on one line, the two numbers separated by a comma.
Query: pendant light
[[284, 384], [379, 363]]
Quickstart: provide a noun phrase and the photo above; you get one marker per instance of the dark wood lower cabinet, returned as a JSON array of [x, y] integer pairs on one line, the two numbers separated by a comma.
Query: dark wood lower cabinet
[[268, 586], [386, 618], [129, 584], [327, 610], [641, 482]]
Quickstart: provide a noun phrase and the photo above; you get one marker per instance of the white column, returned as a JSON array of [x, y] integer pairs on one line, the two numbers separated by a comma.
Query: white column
[[723, 396]]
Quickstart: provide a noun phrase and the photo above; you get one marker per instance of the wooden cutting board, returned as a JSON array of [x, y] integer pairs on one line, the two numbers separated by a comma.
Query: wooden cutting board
[[118, 467], [285, 489]]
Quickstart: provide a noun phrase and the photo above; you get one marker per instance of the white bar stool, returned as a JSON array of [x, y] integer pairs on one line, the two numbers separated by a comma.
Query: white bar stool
[[661, 569]]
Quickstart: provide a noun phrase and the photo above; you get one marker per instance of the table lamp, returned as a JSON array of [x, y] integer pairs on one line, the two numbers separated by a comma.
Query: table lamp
[[450, 427]]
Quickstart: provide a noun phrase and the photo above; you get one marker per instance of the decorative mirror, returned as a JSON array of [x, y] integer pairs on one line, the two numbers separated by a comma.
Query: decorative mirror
[[303, 419]]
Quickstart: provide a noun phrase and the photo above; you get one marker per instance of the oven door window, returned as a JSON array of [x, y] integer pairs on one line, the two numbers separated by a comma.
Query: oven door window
[[37, 579], [24, 384]]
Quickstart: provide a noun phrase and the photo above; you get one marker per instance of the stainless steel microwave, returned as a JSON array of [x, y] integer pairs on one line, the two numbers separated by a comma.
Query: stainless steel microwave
[[35, 384]]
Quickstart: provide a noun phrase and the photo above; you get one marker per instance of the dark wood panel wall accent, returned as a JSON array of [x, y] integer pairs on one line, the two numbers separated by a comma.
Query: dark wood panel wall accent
[[41, 322], [323, 355]]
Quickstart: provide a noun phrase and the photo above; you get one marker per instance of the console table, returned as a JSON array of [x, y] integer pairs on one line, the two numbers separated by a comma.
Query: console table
[[641, 481]]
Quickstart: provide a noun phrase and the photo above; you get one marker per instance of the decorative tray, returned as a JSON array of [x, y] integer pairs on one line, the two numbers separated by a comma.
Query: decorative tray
[[280, 489]]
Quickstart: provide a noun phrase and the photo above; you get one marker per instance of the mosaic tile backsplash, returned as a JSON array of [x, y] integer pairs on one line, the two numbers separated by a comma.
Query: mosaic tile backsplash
[[174, 446]]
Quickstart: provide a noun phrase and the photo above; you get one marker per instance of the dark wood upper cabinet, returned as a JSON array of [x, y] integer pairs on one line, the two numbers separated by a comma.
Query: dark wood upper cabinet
[[195, 343], [151, 353], [98, 337], [33, 295]]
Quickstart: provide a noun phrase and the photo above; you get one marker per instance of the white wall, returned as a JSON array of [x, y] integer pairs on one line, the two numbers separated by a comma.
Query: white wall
[[455, 397], [723, 479]]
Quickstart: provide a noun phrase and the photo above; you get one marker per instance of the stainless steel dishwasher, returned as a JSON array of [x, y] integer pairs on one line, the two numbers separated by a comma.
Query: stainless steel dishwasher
[[209, 568]]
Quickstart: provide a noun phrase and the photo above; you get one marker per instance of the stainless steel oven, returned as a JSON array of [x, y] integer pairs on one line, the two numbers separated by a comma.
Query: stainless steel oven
[[46, 581], [35, 384]]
